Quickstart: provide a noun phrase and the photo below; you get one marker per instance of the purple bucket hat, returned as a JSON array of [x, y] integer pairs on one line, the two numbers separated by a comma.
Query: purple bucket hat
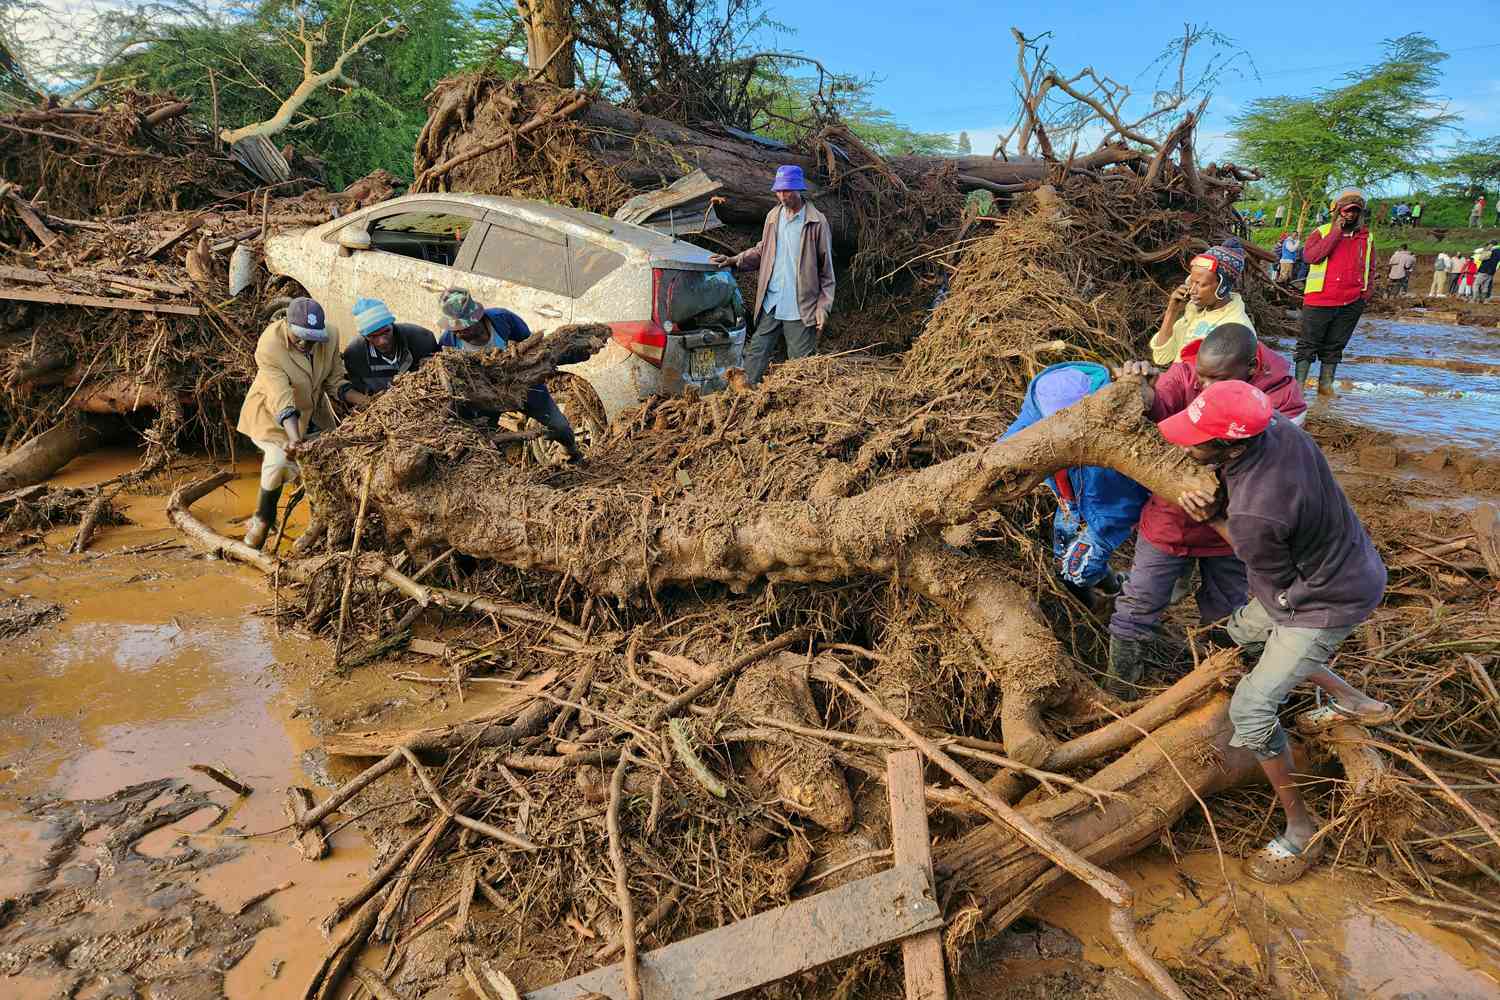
[[789, 178]]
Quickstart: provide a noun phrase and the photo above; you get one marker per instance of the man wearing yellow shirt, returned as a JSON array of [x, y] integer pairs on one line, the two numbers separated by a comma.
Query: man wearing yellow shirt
[[1205, 300]]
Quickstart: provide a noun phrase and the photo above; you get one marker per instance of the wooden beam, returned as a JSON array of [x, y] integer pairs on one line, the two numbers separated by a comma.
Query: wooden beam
[[97, 302], [873, 911], [921, 954], [172, 238]]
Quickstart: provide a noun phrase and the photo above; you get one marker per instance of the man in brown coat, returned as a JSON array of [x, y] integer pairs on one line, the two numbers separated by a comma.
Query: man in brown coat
[[795, 289]]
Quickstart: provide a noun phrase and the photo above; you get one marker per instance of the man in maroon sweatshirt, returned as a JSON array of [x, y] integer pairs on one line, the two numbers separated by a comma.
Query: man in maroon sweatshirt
[[1169, 540], [1314, 575], [1338, 286]]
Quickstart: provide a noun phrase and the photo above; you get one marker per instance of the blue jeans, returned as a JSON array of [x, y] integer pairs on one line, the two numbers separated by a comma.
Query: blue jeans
[[541, 407]]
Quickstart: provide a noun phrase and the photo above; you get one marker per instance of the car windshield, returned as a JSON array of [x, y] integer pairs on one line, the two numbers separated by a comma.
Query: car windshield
[[698, 300]]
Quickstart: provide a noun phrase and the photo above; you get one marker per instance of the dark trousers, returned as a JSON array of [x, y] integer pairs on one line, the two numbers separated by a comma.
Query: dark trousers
[[1222, 587], [1326, 331], [541, 407], [801, 342]]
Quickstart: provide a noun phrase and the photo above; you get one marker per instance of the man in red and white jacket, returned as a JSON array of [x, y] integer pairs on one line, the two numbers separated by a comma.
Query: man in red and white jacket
[[1338, 286], [1169, 540]]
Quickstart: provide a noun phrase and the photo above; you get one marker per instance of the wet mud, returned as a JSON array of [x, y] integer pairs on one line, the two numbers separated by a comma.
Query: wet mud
[[121, 864]]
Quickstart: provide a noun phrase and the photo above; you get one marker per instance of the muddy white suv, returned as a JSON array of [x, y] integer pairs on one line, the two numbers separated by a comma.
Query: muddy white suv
[[676, 320]]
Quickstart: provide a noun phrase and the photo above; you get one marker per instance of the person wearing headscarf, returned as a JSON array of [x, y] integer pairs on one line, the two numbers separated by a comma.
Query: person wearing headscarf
[[1206, 299], [469, 326], [1341, 256], [297, 369], [1097, 508]]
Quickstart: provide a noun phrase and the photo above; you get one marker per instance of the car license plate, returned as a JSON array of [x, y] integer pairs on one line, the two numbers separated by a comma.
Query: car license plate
[[704, 363]]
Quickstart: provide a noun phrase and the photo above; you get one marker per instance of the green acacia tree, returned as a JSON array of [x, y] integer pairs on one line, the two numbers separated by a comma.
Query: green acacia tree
[[1472, 166], [1375, 126]]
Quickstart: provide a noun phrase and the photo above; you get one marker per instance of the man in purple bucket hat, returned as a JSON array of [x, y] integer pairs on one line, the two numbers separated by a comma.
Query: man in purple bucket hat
[[794, 291]]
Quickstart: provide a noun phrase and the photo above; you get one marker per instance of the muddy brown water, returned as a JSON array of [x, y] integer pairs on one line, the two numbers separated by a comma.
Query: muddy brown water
[[161, 662]]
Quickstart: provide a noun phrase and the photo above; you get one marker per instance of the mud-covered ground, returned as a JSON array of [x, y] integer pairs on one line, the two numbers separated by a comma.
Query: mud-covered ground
[[125, 873]]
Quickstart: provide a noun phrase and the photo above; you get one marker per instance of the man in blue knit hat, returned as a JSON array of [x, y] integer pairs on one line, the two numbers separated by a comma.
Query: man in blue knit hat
[[794, 291], [1097, 508], [384, 348]]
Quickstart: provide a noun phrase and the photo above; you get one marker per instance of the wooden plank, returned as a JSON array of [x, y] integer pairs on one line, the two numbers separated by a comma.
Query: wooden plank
[[171, 239], [97, 302], [873, 911], [29, 275], [921, 954], [33, 221], [427, 647], [1485, 520]]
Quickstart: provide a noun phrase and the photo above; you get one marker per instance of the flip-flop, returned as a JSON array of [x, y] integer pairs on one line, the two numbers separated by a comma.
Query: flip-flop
[[1331, 713], [1279, 862]]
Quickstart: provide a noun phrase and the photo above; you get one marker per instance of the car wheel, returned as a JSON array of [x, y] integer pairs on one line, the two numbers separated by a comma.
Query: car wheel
[[581, 405]]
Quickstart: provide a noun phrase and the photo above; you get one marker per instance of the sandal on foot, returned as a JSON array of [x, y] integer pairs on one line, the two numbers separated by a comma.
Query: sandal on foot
[[1280, 862], [1331, 714]]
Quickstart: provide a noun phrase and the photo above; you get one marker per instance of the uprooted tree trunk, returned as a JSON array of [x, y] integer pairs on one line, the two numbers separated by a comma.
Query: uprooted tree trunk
[[48, 452], [476, 139]]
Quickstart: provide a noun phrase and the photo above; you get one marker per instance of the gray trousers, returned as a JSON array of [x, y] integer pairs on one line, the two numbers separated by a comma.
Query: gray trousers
[[1289, 656], [1483, 284], [801, 342]]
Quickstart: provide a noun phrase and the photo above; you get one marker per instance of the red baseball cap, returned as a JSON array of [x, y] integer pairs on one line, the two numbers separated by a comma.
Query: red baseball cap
[[1231, 410]]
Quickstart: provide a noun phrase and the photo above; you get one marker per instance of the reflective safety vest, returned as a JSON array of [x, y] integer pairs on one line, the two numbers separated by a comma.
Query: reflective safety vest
[[1317, 272]]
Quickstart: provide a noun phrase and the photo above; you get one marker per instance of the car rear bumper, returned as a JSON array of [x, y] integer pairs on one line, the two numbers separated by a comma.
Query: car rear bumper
[[621, 380]]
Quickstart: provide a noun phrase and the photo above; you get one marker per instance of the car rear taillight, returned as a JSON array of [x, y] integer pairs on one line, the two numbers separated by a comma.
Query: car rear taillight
[[642, 338]]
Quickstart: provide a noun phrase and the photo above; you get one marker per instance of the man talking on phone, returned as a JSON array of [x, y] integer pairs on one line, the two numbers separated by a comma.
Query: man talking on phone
[[1338, 286]]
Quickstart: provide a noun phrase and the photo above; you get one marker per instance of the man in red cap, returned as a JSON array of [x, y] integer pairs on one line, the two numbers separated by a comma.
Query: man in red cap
[[794, 290], [1313, 573], [1338, 286], [1170, 542]]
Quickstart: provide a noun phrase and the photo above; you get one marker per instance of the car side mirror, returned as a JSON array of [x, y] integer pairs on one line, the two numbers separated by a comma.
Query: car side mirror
[[352, 238]]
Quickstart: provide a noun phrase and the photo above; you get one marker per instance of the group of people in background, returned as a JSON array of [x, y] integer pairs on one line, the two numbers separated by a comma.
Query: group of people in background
[[1283, 567], [1466, 276]]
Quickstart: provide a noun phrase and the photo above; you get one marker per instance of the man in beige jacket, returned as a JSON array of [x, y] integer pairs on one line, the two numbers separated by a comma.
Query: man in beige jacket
[[297, 369], [795, 289]]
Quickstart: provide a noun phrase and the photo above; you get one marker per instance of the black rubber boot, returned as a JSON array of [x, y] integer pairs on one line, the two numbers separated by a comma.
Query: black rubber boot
[[1325, 379], [1303, 368], [259, 526], [1126, 661]]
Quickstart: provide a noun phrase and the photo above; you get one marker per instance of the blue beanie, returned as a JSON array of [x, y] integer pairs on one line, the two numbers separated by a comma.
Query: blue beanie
[[370, 315]]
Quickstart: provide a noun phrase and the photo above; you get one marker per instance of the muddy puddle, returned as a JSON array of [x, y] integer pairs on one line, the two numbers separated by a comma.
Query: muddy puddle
[[1426, 383], [159, 663]]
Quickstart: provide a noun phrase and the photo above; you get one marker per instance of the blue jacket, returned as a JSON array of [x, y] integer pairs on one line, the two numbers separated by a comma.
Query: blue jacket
[[1106, 505], [505, 328]]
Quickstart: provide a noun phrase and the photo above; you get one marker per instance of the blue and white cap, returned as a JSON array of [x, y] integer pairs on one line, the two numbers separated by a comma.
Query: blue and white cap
[[371, 315]]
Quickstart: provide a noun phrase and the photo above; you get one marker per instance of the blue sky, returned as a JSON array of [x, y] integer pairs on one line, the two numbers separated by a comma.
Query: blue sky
[[943, 68]]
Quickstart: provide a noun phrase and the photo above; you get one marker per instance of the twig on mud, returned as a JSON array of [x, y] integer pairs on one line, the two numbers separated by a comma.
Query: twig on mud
[[359, 530], [725, 672], [622, 886], [695, 767], [371, 980], [261, 897]]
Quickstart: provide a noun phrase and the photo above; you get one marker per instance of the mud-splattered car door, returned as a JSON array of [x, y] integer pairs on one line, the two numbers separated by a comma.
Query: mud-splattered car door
[[417, 250], [524, 268]]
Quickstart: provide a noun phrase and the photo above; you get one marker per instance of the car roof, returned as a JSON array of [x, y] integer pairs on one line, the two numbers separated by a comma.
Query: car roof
[[613, 234]]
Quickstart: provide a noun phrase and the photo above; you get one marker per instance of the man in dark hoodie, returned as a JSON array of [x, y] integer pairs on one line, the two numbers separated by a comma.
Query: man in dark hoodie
[[1170, 542], [1314, 575]]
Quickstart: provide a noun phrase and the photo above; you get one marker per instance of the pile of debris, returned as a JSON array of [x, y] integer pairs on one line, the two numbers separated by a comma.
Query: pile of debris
[[717, 629], [133, 278]]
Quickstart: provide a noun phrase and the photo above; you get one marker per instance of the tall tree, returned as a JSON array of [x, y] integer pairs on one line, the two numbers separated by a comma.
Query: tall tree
[[1472, 166], [965, 147], [1377, 125]]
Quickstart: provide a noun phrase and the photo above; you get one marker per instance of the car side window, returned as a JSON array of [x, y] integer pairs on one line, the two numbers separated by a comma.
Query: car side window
[[511, 255], [590, 264], [428, 235]]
